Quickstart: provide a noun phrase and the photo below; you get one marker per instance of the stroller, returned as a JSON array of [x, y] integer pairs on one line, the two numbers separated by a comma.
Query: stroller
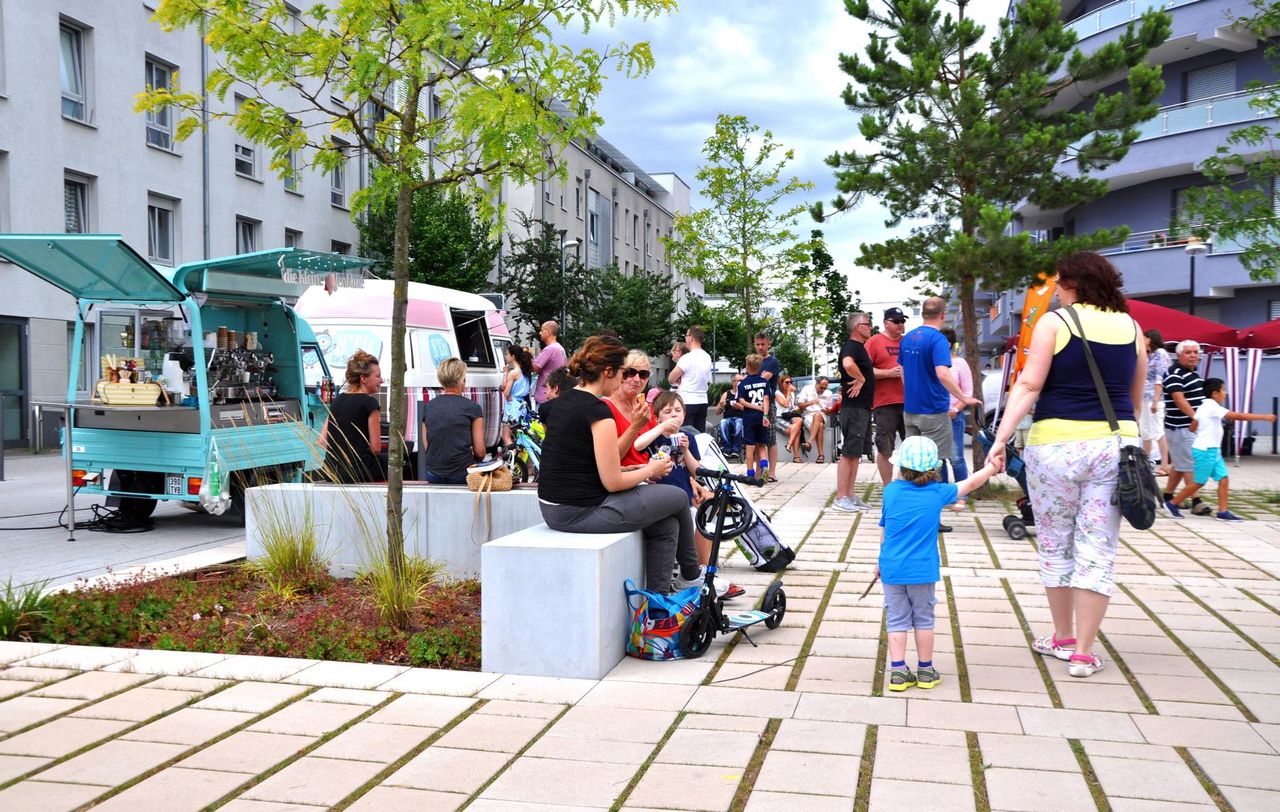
[[1015, 526]]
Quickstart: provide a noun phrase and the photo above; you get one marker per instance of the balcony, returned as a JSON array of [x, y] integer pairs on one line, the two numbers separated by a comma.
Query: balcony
[[1153, 264], [1118, 14], [1240, 107]]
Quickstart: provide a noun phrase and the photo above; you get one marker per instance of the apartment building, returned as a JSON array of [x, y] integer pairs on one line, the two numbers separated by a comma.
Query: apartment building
[[75, 157]]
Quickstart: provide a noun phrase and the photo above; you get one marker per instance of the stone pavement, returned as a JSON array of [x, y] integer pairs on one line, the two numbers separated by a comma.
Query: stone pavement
[[1185, 716]]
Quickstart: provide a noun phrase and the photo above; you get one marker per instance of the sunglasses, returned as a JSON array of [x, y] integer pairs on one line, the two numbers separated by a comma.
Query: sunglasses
[[631, 373], [897, 321]]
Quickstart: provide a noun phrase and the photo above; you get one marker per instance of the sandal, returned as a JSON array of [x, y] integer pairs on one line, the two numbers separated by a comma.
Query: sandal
[[806, 447], [821, 459], [796, 458], [733, 591]]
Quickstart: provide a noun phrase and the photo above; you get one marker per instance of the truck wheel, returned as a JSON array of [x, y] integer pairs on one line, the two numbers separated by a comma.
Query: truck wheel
[[241, 480], [136, 510]]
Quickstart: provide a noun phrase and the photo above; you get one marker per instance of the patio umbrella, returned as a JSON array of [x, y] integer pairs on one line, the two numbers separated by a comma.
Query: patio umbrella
[[1177, 326]]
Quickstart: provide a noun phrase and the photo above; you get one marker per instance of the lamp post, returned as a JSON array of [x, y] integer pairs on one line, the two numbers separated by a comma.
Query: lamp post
[[564, 246], [1194, 249]]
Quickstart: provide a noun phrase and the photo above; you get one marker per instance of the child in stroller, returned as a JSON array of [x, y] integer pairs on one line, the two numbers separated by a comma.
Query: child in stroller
[[1015, 525]]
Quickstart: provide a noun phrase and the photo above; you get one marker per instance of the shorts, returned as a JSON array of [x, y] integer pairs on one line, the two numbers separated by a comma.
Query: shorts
[[753, 432], [808, 420], [1208, 465], [1180, 456], [909, 606], [1150, 426], [888, 425], [769, 420], [936, 427], [855, 422]]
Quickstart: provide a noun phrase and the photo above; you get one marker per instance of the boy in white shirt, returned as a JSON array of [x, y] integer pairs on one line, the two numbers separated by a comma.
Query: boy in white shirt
[[1207, 448]]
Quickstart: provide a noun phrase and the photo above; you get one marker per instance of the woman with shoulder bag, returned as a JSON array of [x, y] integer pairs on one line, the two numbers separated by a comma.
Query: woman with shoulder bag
[[1073, 455]]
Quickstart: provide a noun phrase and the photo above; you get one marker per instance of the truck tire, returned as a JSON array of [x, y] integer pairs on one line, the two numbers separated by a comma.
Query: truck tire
[[136, 510]]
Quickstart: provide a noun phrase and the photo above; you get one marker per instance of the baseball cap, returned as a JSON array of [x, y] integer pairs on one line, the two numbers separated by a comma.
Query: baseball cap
[[895, 314], [917, 454]]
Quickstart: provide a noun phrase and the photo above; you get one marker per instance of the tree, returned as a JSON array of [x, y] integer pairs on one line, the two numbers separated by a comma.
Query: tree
[[542, 288], [726, 330], [745, 238], [447, 93], [1238, 204], [792, 354], [639, 307], [448, 244], [959, 137], [818, 300]]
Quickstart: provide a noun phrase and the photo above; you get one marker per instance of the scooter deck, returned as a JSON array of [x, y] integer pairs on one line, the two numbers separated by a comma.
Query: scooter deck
[[741, 620]]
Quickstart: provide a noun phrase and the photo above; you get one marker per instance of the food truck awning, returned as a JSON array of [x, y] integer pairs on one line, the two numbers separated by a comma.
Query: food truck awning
[[277, 272], [95, 267]]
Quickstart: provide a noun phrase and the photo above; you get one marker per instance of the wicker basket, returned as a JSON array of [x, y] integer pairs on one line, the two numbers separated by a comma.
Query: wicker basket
[[495, 481]]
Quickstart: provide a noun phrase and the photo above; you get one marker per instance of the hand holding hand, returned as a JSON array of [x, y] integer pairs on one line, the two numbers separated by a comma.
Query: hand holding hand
[[995, 457]]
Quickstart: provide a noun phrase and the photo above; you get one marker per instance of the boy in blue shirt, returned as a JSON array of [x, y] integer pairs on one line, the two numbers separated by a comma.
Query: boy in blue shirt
[[753, 399], [909, 565]]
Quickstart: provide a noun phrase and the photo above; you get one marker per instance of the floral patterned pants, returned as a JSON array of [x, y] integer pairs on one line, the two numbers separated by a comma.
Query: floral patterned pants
[[1072, 487]]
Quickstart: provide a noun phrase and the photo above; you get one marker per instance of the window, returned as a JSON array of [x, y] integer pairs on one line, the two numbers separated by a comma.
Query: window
[[75, 204], [292, 238], [626, 237], [435, 112], [648, 246], [5, 201], [75, 93], [613, 222], [591, 227], [1275, 194], [159, 122], [1183, 223], [1211, 81], [343, 248], [246, 235], [546, 190], [635, 230], [290, 179], [1273, 310], [160, 229], [577, 198], [338, 179], [246, 153]]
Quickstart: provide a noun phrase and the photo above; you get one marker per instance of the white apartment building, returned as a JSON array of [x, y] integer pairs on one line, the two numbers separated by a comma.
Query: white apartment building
[[75, 157]]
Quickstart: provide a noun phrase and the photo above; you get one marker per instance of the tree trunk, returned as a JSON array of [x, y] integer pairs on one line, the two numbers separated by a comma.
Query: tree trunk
[[396, 398]]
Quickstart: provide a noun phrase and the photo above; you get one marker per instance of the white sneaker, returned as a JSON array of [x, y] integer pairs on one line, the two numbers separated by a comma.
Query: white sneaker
[[861, 505], [679, 584], [845, 504]]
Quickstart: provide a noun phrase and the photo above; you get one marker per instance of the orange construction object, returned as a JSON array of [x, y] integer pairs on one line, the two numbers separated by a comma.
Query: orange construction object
[[1039, 298]]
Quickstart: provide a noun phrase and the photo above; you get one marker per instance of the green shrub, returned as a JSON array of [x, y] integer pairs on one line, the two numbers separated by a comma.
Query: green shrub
[[445, 645], [293, 562], [22, 610]]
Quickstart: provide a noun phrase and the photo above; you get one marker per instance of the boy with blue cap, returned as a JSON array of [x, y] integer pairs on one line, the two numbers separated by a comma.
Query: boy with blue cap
[[909, 565]]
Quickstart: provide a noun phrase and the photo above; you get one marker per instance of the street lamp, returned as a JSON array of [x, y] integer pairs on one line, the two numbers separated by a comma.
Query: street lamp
[[564, 246], [1194, 249]]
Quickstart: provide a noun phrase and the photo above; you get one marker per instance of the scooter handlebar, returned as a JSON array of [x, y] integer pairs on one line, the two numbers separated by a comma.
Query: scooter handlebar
[[711, 473]]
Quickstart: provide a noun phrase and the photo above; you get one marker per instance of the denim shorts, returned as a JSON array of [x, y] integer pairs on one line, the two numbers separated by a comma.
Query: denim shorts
[[909, 606]]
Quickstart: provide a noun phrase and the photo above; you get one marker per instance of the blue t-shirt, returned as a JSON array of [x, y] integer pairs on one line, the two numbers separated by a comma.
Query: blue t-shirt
[[753, 389], [911, 515], [922, 351], [679, 475], [770, 364]]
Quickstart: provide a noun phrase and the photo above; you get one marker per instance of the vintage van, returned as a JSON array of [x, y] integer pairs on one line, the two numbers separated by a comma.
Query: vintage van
[[441, 323]]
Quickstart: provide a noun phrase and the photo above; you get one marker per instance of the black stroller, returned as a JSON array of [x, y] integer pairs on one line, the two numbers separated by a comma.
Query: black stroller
[[1015, 525]]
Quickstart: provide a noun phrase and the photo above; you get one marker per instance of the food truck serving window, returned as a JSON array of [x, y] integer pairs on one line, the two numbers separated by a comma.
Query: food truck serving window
[[472, 330]]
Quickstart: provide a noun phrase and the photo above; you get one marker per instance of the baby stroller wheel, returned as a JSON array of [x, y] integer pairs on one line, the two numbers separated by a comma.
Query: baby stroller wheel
[[1007, 520], [697, 633], [1016, 529], [775, 602]]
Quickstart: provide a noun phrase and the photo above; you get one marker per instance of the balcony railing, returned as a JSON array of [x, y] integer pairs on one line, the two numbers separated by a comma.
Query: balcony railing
[[1118, 14], [1169, 238], [1214, 111]]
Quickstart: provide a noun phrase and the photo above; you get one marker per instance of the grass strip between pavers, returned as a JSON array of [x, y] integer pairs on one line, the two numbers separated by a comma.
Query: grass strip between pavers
[[195, 748], [962, 668], [1218, 546], [1274, 660], [40, 687], [982, 531], [1191, 655], [942, 548], [732, 644], [1197, 561], [882, 657], [1143, 696], [803, 657], [1049, 685], [83, 704], [848, 540], [648, 762], [471, 799], [1143, 558], [1205, 781], [862, 798], [1090, 776], [977, 772], [1259, 600], [749, 775]]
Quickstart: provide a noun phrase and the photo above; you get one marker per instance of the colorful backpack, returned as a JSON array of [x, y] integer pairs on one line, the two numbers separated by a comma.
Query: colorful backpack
[[657, 619]]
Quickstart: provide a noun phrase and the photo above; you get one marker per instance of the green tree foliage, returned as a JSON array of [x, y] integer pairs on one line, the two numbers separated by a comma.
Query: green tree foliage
[[958, 136], [448, 245], [744, 241], [639, 307], [1237, 205], [726, 330], [449, 93], [817, 298], [533, 280], [792, 354]]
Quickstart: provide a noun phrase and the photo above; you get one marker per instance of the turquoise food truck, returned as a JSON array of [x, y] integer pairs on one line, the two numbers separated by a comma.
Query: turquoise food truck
[[200, 387]]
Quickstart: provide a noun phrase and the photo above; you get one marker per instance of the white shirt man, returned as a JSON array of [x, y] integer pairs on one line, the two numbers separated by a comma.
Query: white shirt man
[[691, 376]]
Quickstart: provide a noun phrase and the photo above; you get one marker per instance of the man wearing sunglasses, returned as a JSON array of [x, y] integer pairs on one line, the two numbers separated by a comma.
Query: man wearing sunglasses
[[691, 376]]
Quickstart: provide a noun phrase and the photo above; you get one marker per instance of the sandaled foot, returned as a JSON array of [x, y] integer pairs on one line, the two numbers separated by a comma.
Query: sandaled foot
[[795, 458], [733, 591], [1084, 665], [1051, 646], [806, 447], [821, 458]]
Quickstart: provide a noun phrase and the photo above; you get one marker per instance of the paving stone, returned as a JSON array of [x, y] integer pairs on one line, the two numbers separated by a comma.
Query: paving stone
[[440, 681], [710, 721], [190, 726], [1040, 700], [676, 672], [368, 742], [136, 704], [422, 710], [862, 709], [1199, 710], [1243, 799], [445, 770], [708, 748], [244, 805], [347, 675], [173, 663], [12, 650], [79, 658], [888, 793], [812, 773], [813, 736], [921, 735], [538, 689], [1266, 707], [194, 684], [530, 710], [1025, 678], [575, 749], [1211, 734], [173, 790], [247, 752], [1240, 769], [623, 694], [350, 696], [113, 763], [252, 667], [13, 687], [316, 781], [251, 697], [1151, 780], [1026, 752], [498, 734], [614, 724], [308, 718], [761, 801], [22, 711], [91, 685], [1182, 689], [403, 799], [61, 736], [1269, 732], [920, 762], [1025, 790], [39, 796], [1140, 752], [963, 716], [13, 766], [1086, 695], [700, 788], [1079, 724]]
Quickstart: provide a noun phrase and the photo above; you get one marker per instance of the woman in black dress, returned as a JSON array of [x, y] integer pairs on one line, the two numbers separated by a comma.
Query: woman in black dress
[[352, 434]]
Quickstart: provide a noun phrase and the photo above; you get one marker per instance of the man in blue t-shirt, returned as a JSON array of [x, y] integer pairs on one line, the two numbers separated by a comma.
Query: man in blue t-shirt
[[925, 356]]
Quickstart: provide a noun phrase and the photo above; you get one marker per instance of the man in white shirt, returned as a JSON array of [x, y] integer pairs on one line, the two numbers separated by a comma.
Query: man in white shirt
[[691, 376], [816, 401]]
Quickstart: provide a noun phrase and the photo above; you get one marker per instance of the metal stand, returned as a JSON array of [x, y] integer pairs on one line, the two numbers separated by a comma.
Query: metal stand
[[1, 436]]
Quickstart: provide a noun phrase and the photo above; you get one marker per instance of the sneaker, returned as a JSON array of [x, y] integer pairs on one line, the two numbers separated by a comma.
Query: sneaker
[[1202, 509], [900, 679], [945, 528], [927, 678], [679, 584], [1172, 509], [1228, 516], [845, 504], [1051, 646], [861, 505], [1084, 665]]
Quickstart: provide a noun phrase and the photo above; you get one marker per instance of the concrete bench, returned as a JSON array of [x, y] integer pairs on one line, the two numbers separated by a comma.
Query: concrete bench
[[552, 603], [437, 521]]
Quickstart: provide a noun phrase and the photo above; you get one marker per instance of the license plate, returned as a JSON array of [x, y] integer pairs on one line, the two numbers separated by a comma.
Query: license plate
[[173, 485]]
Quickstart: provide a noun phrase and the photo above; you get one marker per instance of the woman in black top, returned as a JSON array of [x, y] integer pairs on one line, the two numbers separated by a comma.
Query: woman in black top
[[454, 438], [583, 487], [352, 434]]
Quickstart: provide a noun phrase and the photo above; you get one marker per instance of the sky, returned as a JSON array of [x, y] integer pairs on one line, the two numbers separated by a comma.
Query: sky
[[775, 62]]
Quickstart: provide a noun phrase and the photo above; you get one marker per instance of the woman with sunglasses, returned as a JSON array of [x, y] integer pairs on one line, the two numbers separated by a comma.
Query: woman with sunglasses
[[630, 408], [789, 420]]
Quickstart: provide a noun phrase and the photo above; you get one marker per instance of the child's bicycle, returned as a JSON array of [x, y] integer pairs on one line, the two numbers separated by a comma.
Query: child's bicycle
[[726, 516], [524, 455]]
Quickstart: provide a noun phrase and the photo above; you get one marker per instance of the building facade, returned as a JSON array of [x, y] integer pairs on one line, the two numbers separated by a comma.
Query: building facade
[[75, 157]]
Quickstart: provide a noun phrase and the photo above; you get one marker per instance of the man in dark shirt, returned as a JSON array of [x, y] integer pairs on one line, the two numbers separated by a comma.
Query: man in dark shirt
[[1183, 394], [857, 392], [771, 371]]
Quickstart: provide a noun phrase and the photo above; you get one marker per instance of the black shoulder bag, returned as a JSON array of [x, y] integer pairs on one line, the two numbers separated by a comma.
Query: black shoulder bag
[[1136, 491]]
